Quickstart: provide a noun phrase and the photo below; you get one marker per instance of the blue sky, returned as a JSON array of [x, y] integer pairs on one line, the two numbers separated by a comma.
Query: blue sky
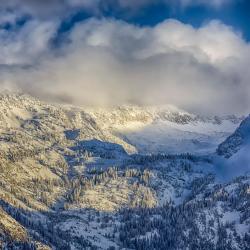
[[234, 13], [190, 53], [146, 12]]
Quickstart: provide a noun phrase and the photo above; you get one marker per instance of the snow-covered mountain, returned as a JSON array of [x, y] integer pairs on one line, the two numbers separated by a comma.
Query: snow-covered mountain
[[79, 178], [138, 129], [237, 141], [166, 128]]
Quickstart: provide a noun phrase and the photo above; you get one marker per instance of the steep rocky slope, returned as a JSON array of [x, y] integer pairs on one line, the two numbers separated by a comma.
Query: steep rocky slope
[[10, 229], [239, 139], [15, 236]]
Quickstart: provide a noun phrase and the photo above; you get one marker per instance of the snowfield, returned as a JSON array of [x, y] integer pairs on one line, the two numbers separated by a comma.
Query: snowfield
[[165, 136]]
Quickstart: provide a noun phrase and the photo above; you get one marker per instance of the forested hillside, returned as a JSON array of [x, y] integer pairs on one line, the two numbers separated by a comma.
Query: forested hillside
[[70, 178]]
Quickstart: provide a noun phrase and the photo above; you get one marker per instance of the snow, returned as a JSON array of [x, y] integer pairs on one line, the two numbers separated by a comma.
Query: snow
[[165, 136], [240, 138], [242, 229], [78, 224], [230, 216], [236, 150]]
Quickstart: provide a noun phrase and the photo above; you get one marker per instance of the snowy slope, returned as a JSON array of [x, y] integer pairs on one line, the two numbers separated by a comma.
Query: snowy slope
[[166, 128], [235, 152], [237, 141], [166, 136]]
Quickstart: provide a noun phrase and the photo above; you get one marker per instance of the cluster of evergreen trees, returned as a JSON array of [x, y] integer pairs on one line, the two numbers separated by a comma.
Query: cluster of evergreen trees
[[177, 228], [79, 184], [187, 226]]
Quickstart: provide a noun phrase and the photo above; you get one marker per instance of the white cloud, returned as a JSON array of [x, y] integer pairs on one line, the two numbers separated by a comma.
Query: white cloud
[[111, 62], [25, 45]]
